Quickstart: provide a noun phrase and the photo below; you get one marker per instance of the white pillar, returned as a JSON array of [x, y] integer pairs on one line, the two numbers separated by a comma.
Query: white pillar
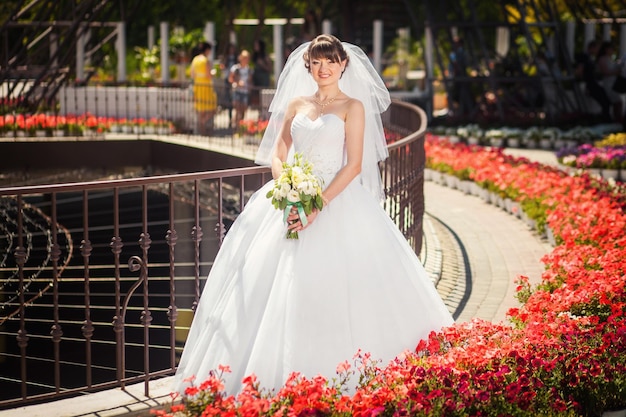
[[503, 38], [232, 37], [120, 45], [327, 26], [378, 44], [590, 34], [278, 50], [165, 61], [570, 32], [404, 35], [80, 56], [209, 36], [428, 52], [606, 32], [428, 59], [150, 36]]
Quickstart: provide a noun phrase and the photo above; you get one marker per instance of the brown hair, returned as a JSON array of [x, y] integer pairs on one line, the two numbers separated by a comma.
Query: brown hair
[[325, 46]]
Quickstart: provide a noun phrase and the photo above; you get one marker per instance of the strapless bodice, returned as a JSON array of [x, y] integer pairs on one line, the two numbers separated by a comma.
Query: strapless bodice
[[321, 141]]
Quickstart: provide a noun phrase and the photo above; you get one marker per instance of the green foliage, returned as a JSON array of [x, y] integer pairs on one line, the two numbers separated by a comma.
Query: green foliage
[[536, 210], [592, 308], [147, 62], [182, 42]]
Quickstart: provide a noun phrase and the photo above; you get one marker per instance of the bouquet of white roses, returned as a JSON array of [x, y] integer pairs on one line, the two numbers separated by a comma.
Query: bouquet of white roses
[[297, 187]]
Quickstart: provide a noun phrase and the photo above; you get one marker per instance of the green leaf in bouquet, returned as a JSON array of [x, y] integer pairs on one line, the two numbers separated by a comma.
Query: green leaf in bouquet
[[319, 203], [270, 193]]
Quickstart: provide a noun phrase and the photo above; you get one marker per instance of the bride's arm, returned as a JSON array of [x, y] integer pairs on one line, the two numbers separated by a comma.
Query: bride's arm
[[283, 144], [355, 127]]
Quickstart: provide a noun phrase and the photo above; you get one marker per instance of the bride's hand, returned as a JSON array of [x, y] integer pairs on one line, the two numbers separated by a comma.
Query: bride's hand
[[294, 223]]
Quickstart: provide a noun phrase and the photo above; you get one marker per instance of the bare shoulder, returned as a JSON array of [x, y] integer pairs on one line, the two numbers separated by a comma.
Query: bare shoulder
[[295, 105], [354, 107]]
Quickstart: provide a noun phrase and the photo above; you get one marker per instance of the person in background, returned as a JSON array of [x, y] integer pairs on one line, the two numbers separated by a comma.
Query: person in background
[[240, 79], [262, 66], [609, 69], [549, 75], [462, 100], [586, 71], [228, 61], [205, 99]]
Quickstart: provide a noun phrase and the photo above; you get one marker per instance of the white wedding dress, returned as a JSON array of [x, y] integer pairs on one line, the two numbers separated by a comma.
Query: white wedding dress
[[273, 305]]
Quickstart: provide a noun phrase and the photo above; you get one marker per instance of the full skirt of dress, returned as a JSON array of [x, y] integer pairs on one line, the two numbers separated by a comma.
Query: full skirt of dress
[[272, 306]]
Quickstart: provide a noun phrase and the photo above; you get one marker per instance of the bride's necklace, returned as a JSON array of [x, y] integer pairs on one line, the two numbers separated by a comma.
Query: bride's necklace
[[323, 105]]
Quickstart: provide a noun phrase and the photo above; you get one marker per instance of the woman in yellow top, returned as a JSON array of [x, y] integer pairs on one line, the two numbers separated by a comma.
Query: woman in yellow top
[[205, 99]]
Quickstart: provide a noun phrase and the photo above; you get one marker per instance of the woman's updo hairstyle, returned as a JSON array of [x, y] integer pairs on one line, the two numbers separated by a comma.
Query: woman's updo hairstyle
[[325, 47]]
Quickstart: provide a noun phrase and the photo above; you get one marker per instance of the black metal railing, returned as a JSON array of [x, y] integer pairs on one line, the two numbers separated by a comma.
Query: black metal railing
[[99, 279]]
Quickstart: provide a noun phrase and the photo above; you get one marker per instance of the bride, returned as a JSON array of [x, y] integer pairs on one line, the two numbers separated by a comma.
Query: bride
[[272, 306]]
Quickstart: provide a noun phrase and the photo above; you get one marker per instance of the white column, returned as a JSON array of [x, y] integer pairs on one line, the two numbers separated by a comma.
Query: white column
[[327, 26], [502, 40], [80, 56], [404, 35], [150, 36], [428, 58], [165, 61], [278, 50], [209, 36], [120, 45], [428, 52], [570, 32], [378, 44]]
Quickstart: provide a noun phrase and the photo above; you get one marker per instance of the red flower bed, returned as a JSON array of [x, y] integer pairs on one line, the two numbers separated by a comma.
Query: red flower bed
[[562, 354], [71, 124], [252, 127]]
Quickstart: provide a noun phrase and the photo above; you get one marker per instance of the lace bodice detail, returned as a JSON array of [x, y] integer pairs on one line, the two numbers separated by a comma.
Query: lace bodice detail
[[321, 141]]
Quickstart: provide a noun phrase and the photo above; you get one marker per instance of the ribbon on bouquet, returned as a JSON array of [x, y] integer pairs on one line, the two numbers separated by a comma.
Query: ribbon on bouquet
[[301, 212]]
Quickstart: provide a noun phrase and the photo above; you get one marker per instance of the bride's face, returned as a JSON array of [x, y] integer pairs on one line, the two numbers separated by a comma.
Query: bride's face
[[326, 71]]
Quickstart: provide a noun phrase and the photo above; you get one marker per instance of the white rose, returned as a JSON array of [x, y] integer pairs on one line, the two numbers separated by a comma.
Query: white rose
[[282, 191], [285, 188], [297, 175], [307, 187], [293, 196]]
